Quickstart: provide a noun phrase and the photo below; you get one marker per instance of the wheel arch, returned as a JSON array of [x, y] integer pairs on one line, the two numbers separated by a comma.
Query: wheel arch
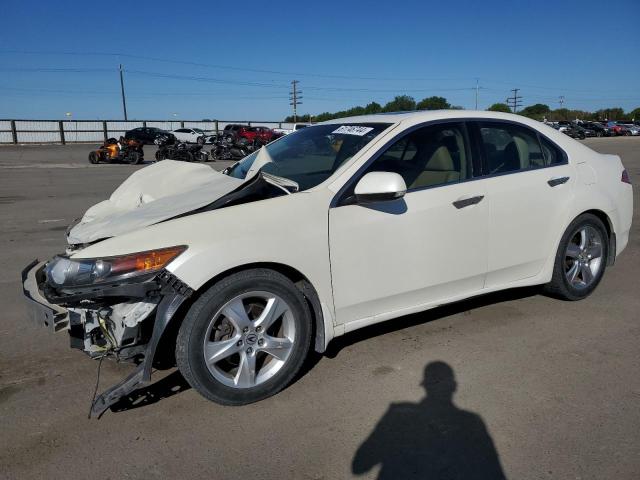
[[320, 336], [608, 225], [611, 234]]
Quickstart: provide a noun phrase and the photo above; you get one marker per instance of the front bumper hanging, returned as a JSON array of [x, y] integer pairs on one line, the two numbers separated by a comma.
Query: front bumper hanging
[[56, 318], [40, 311]]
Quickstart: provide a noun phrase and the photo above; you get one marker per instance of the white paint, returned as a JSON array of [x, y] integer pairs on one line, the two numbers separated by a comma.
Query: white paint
[[373, 263]]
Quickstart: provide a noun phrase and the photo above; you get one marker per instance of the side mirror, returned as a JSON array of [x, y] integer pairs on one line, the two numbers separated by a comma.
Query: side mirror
[[380, 187]]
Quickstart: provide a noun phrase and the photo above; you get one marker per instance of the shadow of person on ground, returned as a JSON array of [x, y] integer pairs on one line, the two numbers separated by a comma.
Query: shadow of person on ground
[[432, 439]]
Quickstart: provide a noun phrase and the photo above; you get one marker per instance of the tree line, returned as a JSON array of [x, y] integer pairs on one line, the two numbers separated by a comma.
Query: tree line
[[539, 111]]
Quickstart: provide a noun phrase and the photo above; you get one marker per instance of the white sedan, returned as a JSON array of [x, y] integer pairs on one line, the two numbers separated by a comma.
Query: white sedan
[[330, 229], [190, 135]]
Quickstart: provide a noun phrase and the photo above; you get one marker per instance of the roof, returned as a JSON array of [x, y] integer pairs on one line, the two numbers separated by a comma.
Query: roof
[[429, 115]]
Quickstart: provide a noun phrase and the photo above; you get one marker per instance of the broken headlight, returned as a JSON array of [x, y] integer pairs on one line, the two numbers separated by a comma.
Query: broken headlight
[[68, 272]]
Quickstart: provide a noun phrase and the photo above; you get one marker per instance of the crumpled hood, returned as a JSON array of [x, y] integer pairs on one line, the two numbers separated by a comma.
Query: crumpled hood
[[155, 193]]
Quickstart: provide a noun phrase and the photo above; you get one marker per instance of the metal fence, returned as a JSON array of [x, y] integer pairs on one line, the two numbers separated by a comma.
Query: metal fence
[[86, 131]]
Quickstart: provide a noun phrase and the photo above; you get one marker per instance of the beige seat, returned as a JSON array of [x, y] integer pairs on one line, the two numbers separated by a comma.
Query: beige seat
[[438, 169]]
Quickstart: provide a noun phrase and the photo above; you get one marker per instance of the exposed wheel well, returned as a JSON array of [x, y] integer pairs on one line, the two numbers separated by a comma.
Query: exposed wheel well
[[167, 342]]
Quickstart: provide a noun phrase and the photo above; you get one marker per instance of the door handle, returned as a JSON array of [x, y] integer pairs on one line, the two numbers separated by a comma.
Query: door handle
[[554, 182], [467, 202]]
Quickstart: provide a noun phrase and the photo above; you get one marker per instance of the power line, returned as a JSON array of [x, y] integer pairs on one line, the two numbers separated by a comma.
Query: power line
[[224, 67], [256, 70]]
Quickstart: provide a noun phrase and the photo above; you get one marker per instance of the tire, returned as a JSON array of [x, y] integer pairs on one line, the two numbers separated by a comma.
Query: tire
[[134, 158], [94, 158], [270, 374], [567, 262], [598, 134], [200, 141]]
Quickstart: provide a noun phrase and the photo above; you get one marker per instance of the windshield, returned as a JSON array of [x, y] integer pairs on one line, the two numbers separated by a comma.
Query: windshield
[[311, 155]]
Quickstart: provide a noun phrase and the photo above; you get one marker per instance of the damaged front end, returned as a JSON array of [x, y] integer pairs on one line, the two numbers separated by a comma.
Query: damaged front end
[[119, 306], [116, 306]]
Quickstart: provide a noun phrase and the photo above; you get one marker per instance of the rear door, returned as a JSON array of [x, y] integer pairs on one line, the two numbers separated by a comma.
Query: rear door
[[529, 190]]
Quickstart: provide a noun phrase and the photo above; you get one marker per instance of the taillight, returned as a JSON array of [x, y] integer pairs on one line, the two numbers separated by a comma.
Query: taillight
[[625, 177]]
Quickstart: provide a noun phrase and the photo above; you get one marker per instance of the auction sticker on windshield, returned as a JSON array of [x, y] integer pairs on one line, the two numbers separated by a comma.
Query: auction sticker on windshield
[[353, 130]]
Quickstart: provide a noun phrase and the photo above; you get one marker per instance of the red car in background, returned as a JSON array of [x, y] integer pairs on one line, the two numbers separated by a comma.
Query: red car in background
[[264, 134], [617, 130], [232, 133]]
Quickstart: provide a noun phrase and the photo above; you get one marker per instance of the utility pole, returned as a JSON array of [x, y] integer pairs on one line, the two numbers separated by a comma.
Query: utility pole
[[561, 100], [477, 89], [124, 102], [294, 99], [515, 101]]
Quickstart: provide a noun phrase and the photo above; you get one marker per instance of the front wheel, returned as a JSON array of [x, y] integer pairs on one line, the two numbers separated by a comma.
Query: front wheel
[[245, 338], [94, 158], [580, 260]]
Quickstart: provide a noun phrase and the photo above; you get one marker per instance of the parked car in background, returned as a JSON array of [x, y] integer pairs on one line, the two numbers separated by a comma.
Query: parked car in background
[[563, 125], [617, 129], [397, 213], [264, 134], [233, 132], [190, 135], [598, 128], [294, 128], [576, 131], [632, 128], [149, 135]]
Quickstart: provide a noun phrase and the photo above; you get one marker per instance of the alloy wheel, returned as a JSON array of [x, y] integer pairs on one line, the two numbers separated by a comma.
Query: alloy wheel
[[249, 339], [583, 257]]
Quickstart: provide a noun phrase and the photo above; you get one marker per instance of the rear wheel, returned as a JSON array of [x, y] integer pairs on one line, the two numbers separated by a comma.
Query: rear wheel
[[581, 259], [245, 338]]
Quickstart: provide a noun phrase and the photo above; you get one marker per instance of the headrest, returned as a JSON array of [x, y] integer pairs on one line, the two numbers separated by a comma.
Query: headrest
[[440, 160]]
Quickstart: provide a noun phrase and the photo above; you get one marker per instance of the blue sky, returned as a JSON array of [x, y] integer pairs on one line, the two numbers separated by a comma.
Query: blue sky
[[238, 58]]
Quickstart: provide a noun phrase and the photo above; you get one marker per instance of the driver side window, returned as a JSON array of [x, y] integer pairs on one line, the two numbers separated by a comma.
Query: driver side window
[[429, 156]]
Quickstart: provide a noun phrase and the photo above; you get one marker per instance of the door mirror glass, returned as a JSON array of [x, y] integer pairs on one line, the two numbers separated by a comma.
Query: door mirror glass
[[380, 187]]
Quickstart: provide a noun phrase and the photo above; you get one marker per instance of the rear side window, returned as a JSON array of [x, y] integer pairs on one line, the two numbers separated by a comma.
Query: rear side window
[[509, 148], [552, 154]]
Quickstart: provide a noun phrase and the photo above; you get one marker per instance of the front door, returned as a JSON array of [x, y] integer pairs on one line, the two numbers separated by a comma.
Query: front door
[[428, 247]]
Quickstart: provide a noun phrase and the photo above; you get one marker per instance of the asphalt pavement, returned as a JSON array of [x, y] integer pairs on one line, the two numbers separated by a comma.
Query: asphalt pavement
[[519, 384]]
